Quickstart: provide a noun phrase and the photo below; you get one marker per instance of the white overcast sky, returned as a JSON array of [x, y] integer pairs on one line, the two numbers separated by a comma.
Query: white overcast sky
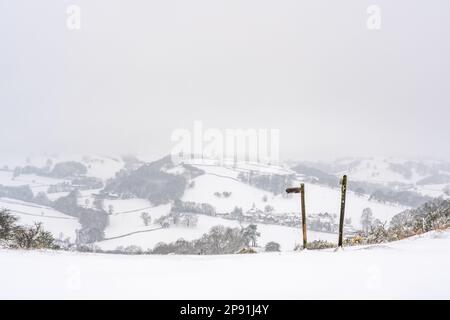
[[139, 69]]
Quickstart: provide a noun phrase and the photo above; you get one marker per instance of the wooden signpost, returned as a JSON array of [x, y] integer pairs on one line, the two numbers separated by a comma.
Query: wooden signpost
[[301, 190], [341, 218]]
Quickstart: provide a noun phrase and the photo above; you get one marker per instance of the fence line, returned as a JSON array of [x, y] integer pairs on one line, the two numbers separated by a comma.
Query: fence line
[[131, 233]]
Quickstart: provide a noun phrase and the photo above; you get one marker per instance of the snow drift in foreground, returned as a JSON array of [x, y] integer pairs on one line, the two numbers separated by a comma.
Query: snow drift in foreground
[[416, 268]]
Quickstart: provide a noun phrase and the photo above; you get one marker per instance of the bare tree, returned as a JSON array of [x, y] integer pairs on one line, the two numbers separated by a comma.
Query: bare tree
[[366, 220], [146, 218]]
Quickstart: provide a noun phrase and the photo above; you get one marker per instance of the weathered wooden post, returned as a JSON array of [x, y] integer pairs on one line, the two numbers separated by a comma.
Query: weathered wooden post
[[302, 197], [341, 218], [301, 190]]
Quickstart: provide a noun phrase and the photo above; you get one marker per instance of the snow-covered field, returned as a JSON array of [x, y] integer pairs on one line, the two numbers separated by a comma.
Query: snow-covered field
[[102, 167], [59, 224], [287, 237], [318, 198], [37, 183], [415, 268], [127, 219]]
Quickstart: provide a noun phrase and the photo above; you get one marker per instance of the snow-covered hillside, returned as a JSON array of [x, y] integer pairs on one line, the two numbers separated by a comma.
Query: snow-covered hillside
[[218, 178], [386, 169], [103, 167], [126, 226], [148, 237], [415, 268], [426, 177], [36, 183], [381, 271], [379, 169], [59, 224], [318, 198]]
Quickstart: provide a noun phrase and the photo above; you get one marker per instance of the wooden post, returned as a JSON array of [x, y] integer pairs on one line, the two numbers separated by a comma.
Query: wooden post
[[301, 190], [302, 197], [341, 218]]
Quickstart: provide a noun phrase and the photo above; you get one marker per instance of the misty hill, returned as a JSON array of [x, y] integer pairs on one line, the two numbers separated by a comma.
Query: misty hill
[[159, 182], [384, 169], [406, 182]]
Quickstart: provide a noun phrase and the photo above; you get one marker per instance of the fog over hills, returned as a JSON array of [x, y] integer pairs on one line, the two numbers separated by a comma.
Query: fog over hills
[[132, 74]]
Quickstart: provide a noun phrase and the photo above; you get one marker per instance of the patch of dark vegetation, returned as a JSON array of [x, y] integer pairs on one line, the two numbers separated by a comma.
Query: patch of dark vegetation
[[86, 183], [23, 237], [316, 175], [433, 215], [275, 183], [61, 170], [409, 198], [22, 193], [152, 181], [93, 221], [219, 240], [193, 207], [68, 169], [272, 246]]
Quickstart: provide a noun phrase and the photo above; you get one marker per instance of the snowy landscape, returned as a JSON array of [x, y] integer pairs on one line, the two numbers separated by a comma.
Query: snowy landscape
[[225, 149], [131, 247], [125, 212]]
